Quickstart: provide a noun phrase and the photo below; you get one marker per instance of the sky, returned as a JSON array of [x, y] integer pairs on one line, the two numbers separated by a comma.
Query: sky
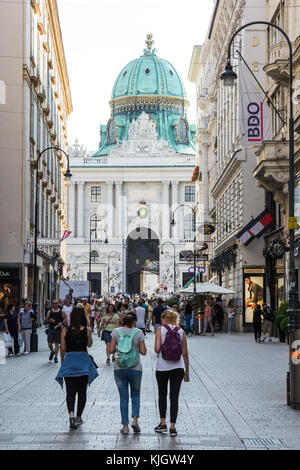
[[102, 36]]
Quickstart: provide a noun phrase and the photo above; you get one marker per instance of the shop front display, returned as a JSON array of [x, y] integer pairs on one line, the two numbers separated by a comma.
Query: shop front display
[[254, 292], [10, 288]]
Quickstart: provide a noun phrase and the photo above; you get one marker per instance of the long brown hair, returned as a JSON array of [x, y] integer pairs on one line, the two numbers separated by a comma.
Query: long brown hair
[[77, 319]]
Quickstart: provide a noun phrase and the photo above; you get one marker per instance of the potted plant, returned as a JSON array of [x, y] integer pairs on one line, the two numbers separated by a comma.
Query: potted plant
[[281, 321]]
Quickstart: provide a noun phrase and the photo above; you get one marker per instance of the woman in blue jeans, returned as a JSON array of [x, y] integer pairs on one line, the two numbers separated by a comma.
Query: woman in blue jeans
[[125, 377], [231, 311]]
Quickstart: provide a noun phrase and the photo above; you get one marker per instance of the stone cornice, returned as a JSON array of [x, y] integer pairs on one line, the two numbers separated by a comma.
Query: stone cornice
[[57, 41], [231, 169]]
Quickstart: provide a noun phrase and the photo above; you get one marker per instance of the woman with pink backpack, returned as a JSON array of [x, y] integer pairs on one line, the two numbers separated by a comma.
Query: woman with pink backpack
[[172, 365]]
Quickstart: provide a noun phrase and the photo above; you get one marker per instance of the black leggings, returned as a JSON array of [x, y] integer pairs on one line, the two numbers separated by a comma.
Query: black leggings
[[176, 377], [76, 385], [257, 332], [15, 336]]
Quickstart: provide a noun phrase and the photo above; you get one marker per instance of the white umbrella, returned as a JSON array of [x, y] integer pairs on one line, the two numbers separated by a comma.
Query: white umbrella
[[206, 288]]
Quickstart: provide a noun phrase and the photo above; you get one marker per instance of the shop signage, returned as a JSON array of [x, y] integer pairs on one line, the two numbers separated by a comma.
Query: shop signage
[[207, 229], [293, 225], [9, 273], [200, 270], [49, 242], [189, 256]]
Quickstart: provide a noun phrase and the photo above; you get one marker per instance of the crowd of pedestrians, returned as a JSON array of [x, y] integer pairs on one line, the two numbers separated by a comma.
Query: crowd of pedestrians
[[122, 322]]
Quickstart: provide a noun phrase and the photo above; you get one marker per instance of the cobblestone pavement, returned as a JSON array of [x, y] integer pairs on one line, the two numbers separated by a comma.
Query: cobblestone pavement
[[236, 399]]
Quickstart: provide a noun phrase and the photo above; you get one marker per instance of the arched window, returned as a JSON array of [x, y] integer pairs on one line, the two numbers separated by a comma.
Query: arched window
[[94, 256], [94, 225], [189, 227]]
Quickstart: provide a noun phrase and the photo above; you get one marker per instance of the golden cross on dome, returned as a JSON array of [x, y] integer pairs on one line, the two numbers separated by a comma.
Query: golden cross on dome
[[149, 42]]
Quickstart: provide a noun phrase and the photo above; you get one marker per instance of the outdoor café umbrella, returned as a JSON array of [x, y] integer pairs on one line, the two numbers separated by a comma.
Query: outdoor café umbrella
[[206, 288]]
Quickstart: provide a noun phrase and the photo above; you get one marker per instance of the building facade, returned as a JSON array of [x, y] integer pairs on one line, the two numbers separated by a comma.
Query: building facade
[[272, 170], [227, 191], [33, 117], [122, 198]]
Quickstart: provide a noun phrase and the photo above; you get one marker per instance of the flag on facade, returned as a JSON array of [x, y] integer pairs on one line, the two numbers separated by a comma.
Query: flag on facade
[[256, 228], [255, 113], [65, 235]]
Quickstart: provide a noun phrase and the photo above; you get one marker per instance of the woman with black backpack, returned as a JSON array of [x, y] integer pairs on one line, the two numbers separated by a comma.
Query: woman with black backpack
[[172, 365]]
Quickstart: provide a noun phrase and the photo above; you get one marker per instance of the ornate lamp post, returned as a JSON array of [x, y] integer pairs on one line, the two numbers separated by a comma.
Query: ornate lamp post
[[228, 78], [68, 175], [193, 209], [174, 266]]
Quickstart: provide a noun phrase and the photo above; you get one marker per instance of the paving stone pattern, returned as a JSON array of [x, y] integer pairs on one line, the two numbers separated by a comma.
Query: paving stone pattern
[[236, 399]]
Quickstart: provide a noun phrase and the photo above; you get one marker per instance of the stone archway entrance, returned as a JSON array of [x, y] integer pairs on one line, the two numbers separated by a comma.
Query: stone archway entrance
[[142, 261]]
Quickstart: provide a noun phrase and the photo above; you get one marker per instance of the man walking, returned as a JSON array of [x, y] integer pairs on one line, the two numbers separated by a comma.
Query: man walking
[[55, 320], [156, 314]]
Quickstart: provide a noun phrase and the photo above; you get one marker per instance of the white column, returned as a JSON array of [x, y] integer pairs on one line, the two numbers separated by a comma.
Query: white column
[[166, 211], [119, 209], [110, 210], [175, 204], [80, 215], [71, 208]]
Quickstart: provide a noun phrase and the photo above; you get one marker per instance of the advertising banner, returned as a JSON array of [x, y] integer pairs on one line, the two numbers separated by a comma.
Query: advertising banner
[[255, 113]]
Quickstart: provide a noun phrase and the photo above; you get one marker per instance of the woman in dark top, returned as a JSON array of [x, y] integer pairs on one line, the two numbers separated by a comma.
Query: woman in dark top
[[77, 368], [12, 326], [257, 314]]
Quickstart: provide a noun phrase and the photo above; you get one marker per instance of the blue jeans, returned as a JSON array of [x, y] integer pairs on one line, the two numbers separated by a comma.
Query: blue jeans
[[230, 324], [188, 327], [123, 378], [157, 325]]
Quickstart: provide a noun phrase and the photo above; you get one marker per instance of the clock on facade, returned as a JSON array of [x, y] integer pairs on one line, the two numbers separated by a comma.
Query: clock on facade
[[111, 131], [182, 129]]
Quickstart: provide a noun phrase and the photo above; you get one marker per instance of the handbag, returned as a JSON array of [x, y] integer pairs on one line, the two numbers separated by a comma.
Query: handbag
[[20, 340], [8, 340], [101, 334]]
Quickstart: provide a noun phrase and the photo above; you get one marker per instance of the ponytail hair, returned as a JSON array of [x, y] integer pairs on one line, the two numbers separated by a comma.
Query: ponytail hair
[[129, 319]]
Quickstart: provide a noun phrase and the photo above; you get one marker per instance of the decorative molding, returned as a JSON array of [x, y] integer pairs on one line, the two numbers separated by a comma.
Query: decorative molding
[[148, 102]]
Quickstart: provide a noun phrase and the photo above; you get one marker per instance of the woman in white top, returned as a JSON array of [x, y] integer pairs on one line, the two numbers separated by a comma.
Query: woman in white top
[[173, 370]]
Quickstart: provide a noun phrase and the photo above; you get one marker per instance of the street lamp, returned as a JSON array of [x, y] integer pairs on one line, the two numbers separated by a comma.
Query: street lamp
[[193, 209], [174, 267], [293, 313], [68, 175], [228, 76]]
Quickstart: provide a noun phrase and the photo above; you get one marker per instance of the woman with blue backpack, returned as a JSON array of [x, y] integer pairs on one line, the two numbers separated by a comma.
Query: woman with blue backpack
[[172, 365], [128, 342]]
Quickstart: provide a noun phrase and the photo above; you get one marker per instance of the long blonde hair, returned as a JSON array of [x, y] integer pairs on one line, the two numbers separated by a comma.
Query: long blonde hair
[[170, 316]]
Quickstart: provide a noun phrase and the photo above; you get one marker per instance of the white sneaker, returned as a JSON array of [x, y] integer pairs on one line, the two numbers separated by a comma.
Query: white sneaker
[[25, 353], [19, 354]]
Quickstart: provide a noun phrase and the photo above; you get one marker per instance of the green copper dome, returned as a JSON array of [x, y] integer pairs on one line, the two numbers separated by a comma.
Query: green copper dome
[[148, 75], [152, 85]]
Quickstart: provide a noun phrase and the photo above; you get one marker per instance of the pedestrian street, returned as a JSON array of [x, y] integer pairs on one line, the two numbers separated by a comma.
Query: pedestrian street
[[236, 399]]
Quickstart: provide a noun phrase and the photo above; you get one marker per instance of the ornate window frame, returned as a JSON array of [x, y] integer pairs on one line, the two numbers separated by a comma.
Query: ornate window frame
[[186, 141], [110, 142]]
